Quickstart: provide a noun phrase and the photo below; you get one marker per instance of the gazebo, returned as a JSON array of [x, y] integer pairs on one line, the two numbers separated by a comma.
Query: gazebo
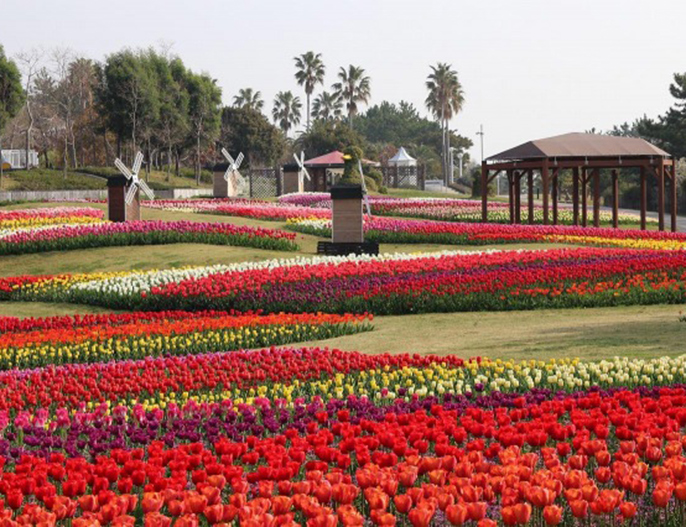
[[402, 159], [585, 155]]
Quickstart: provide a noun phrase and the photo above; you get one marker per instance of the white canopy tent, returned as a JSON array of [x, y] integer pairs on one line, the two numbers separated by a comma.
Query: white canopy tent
[[402, 159]]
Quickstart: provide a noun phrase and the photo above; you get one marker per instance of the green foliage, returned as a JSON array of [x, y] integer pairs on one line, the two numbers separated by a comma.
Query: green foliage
[[401, 125], [476, 184], [286, 111], [11, 91], [354, 88], [46, 179], [326, 136], [247, 130]]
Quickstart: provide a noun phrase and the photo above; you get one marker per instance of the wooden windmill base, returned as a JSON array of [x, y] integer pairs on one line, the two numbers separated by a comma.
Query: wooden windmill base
[[117, 208], [347, 222]]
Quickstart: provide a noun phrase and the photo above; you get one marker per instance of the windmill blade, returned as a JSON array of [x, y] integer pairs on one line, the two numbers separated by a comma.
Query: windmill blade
[[306, 173], [137, 163], [131, 193], [228, 157], [146, 189], [239, 160], [123, 168]]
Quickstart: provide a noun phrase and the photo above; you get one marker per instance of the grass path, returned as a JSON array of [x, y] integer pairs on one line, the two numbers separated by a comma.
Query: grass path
[[591, 334]]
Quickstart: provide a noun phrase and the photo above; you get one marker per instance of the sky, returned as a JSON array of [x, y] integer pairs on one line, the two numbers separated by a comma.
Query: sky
[[529, 68]]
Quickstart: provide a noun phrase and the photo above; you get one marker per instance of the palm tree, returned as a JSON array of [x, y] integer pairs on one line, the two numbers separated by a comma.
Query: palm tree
[[327, 106], [286, 111], [310, 72], [353, 88], [444, 101], [248, 98]]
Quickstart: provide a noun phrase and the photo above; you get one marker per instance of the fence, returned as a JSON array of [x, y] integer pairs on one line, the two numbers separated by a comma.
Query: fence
[[404, 177], [263, 183], [79, 195]]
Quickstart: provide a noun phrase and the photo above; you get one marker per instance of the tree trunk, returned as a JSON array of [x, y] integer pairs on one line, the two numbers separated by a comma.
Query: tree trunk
[[29, 129], [308, 111], [64, 156], [177, 161], [197, 161]]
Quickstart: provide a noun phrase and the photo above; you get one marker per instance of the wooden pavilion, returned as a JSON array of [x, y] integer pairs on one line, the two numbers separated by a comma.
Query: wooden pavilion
[[584, 155]]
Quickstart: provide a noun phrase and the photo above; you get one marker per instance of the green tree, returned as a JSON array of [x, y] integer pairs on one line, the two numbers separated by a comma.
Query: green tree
[[444, 101], [204, 112], [326, 136], [129, 96], [11, 94], [286, 111], [248, 98], [327, 106], [354, 87], [249, 131], [310, 71]]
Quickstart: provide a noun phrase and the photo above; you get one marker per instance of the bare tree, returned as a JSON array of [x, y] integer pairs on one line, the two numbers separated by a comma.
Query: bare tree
[[29, 63]]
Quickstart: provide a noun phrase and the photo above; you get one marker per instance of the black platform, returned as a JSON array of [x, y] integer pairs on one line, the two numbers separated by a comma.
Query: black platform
[[342, 249]]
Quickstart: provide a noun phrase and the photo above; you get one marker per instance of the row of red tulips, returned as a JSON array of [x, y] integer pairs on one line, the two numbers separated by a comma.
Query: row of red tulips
[[600, 457]]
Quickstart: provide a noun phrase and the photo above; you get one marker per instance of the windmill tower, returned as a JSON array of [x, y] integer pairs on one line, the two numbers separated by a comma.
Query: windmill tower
[[229, 183], [123, 192], [302, 171]]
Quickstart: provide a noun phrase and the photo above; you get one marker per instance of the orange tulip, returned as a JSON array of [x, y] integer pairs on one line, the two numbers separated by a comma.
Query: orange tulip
[[376, 498], [477, 510], [403, 503], [661, 497], [579, 508], [552, 514], [486, 522], [420, 516], [152, 502], [457, 514], [628, 509], [155, 519]]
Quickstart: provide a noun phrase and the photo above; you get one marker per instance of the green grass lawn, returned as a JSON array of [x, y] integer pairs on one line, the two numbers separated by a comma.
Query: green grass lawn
[[87, 179], [590, 334], [46, 179]]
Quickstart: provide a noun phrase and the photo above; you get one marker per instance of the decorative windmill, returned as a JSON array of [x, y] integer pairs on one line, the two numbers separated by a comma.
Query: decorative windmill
[[123, 192], [302, 171], [234, 181]]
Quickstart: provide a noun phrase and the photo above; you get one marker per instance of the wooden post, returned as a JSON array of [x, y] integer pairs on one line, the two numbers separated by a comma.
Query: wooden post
[[545, 180], [661, 195], [584, 197], [575, 194], [596, 197], [615, 199], [674, 204], [518, 197], [556, 173], [484, 193], [644, 198], [510, 194], [530, 183]]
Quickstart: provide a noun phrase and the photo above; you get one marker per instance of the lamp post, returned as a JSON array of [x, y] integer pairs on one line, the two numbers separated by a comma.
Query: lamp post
[[460, 156]]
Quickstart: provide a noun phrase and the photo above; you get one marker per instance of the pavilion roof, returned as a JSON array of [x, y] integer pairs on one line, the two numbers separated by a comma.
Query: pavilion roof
[[581, 145]]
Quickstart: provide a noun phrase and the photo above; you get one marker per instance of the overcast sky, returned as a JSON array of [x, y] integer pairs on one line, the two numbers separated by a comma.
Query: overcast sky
[[530, 68]]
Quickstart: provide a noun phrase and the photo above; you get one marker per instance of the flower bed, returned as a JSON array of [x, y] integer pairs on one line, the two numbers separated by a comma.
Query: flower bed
[[448, 209], [70, 237], [390, 284], [318, 437], [66, 340], [18, 220], [259, 210], [390, 230]]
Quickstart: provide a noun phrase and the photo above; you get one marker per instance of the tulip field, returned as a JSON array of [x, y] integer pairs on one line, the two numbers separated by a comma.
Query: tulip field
[[202, 394]]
